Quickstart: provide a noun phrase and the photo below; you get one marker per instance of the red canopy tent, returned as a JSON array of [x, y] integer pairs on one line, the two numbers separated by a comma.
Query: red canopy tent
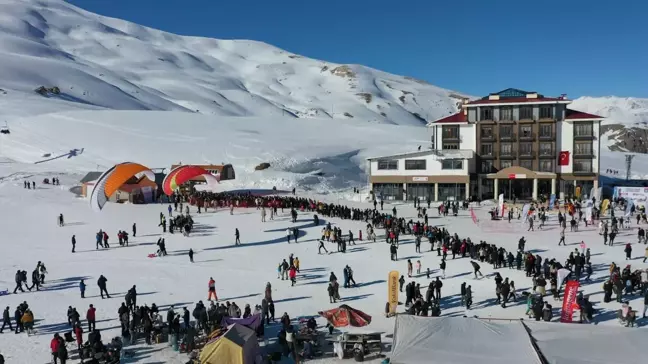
[[346, 316]]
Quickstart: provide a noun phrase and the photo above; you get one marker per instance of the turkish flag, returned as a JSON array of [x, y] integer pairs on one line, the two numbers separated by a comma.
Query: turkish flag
[[563, 158]]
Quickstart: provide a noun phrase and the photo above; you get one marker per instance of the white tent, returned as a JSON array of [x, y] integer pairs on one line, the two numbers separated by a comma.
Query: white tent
[[458, 340], [588, 344]]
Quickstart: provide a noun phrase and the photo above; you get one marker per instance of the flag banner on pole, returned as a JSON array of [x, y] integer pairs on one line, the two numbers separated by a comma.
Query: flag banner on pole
[[569, 301], [473, 216], [392, 290]]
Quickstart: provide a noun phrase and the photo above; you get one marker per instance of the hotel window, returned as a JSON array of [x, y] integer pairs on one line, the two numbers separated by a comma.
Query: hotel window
[[452, 164], [486, 131], [525, 148], [486, 113], [583, 129], [506, 131], [546, 165], [487, 149], [415, 164], [387, 165], [450, 146], [546, 112], [450, 132], [506, 113], [581, 148], [526, 112], [525, 131], [506, 149], [584, 165], [505, 164], [486, 166], [546, 130], [526, 163], [546, 148]]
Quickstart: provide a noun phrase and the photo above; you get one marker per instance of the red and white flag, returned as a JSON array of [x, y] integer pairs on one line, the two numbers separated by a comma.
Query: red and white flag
[[563, 158]]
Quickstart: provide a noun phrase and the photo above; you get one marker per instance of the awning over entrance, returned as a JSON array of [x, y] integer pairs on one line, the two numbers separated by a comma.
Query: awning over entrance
[[517, 172]]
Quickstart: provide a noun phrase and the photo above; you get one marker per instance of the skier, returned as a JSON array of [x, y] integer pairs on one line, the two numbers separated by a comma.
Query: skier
[[134, 230], [60, 220], [191, 254], [101, 282], [73, 243], [237, 235], [212, 290]]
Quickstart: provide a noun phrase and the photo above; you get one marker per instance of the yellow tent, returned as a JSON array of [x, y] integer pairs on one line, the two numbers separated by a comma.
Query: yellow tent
[[238, 345]]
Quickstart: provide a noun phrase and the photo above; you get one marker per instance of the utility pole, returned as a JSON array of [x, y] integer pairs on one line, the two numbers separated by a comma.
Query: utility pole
[[628, 160]]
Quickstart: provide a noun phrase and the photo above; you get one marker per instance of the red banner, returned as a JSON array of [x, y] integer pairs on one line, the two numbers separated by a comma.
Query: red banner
[[569, 301], [473, 216]]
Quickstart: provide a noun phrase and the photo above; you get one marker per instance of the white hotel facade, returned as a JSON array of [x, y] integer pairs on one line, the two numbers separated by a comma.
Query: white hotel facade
[[518, 143]]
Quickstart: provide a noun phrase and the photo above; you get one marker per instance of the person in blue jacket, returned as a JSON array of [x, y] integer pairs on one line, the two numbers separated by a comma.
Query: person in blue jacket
[[82, 287]]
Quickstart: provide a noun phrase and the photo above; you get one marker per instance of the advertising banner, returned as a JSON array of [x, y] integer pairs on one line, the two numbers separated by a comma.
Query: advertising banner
[[525, 213], [473, 215], [500, 204], [552, 201], [392, 290], [569, 301]]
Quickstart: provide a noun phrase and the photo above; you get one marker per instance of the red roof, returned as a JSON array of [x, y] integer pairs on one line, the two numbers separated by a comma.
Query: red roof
[[459, 117], [575, 114], [505, 100]]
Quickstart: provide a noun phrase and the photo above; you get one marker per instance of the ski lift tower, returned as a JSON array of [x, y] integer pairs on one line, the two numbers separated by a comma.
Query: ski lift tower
[[628, 161]]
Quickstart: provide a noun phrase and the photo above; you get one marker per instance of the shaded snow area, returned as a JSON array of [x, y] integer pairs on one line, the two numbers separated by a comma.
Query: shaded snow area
[[30, 233]]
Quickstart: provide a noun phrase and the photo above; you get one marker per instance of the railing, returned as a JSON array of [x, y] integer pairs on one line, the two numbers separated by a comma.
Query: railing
[[527, 136], [507, 137], [488, 137], [527, 155], [547, 153], [508, 154], [491, 155], [551, 136]]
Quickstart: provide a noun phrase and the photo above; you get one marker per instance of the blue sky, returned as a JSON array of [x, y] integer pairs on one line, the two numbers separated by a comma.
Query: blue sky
[[576, 47]]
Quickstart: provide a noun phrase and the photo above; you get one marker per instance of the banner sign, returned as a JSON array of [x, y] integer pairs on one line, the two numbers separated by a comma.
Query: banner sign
[[552, 201], [392, 290], [473, 216], [500, 204], [569, 301]]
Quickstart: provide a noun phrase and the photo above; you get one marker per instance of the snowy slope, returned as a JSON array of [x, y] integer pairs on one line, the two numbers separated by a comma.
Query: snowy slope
[[320, 157], [100, 62]]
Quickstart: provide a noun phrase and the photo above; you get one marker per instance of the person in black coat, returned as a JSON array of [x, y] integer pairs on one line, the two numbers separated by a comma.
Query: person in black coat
[[18, 316], [18, 282], [6, 320], [73, 243], [476, 269], [101, 282]]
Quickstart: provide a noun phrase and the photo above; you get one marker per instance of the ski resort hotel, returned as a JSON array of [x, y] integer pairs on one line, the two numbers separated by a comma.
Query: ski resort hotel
[[517, 143]]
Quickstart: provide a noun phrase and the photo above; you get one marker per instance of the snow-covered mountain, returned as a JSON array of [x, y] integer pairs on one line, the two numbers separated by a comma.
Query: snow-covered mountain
[[100, 62], [78, 60]]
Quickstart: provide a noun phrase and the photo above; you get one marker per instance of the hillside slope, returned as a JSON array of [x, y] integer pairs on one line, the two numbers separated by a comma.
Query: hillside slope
[[100, 62], [626, 126]]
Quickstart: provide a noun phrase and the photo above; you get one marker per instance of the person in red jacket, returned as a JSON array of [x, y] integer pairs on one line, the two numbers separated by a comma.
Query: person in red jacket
[[78, 332], [292, 273], [212, 290], [90, 316], [54, 346]]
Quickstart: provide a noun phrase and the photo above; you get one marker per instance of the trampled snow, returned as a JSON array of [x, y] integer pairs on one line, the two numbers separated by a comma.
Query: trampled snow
[[30, 233]]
